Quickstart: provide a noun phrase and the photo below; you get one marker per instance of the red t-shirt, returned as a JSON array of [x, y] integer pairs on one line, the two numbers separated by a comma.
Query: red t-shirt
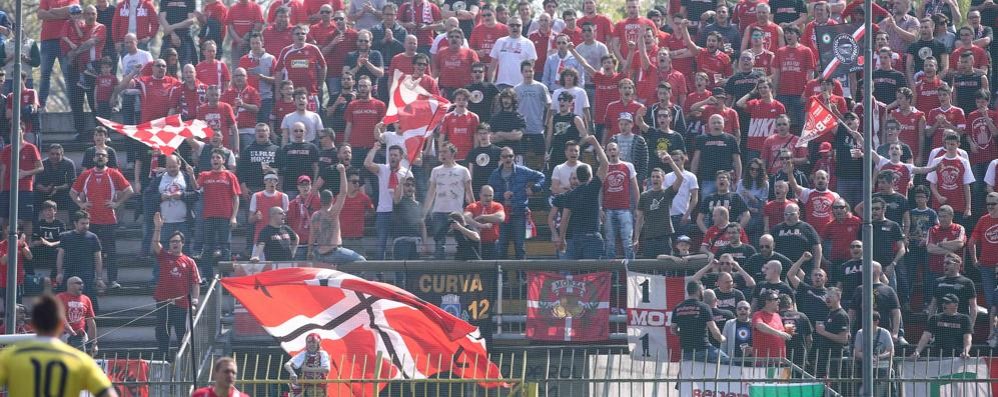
[[980, 137], [694, 97], [363, 115], [606, 92], [818, 208], [212, 72], [20, 263], [604, 27], [208, 391], [322, 33], [909, 128], [766, 345], [613, 111], [104, 87], [98, 187], [985, 236], [937, 234], [29, 97], [155, 96], [842, 233], [489, 235], [186, 100], [762, 121], [300, 212], [628, 30], [927, 94], [542, 44], [97, 31], [177, 274], [770, 34], [683, 65], [301, 66], [275, 40], [743, 14], [218, 12], [955, 174], [28, 160], [647, 84], [617, 187], [459, 129], [902, 175], [981, 58], [794, 64], [770, 153], [298, 15], [353, 213], [813, 87], [455, 66], [220, 118], [78, 310], [716, 65], [421, 16], [731, 123], [250, 96], [954, 115], [337, 55], [282, 108], [52, 29], [244, 16], [714, 239], [484, 37], [219, 189], [764, 61], [773, 210]]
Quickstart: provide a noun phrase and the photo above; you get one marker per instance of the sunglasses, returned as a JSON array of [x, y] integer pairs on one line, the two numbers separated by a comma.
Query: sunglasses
[[991, 204], [337, 18], [856, 246], [838, 207], [325, 12], [507, 156], [355, 181]]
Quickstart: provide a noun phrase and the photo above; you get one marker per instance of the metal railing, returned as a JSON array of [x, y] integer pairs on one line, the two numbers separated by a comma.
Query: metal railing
[[192, 363]]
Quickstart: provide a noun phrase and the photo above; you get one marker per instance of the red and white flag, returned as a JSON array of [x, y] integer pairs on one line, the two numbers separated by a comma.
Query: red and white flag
[[417, 112], [568, 308], [818, 121], [360, 321], [165, 133]]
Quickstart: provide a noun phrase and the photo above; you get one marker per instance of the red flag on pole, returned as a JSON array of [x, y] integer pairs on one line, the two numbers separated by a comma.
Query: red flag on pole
[[164, 134], [417, 111], [360, 321], [818, 121]]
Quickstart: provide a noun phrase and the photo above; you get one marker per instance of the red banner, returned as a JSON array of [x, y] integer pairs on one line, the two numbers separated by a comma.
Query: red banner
[[568, 308], [818, 122], [128, 371]]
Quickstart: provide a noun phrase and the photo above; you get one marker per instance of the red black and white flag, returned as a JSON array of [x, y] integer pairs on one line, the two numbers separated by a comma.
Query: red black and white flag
[[568, 308], [840, 48], [359, 322], [817, 122], [416, 110], [165, 133]]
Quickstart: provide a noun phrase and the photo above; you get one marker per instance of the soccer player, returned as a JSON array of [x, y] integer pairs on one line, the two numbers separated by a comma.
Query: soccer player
[[45, 362]]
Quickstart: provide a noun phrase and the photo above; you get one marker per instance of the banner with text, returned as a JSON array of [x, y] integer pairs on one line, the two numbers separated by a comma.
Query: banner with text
[[469, 296], [949, 377], [694, 379], [650, 300]]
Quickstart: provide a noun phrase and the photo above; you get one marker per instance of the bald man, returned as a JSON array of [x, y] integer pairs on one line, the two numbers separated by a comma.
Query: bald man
[[80, 325], [276, 241]]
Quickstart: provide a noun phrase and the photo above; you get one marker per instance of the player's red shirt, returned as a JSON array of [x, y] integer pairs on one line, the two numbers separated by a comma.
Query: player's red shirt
[[950, 179], [980, 137], [78, 310], [213, 72], [219, 189], [322, 33], [909, 128], [418, 13], [628, 30], [954, 115], [177, 274], [274, 40], [985, 236], [842, 233], [459, 129], [926, 94], [219, 117], [97, 187], [187, 100], [606, 92], [52, 29], [542, 44], [353, 213], [301, 66], [937, 234], [155, 96], [613, 111], [298, 14], [795, 64], [488, 235], [455, 66], [604, 27], [363, 115], [244, 16], [484, 37], [764, 61], [104, 87], [28, 159], [770, 34], [716, 65], [250, 96], [981, 57], [762, 121]]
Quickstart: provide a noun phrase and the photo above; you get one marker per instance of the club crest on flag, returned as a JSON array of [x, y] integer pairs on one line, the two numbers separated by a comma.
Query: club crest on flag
[[572, 308]]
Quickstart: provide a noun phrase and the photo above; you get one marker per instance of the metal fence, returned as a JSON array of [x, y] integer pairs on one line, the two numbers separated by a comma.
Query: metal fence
[[194, 358]]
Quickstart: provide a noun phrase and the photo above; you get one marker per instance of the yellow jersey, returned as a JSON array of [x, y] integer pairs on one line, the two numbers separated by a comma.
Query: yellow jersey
[[47, 367]]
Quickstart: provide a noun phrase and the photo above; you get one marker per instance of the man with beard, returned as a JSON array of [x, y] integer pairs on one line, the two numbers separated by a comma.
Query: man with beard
[[514, 184], [220, 117], [255, 159], [710, 59], [389, 177], [188, 95], [738, 332], [841, 232], [362, 115], [950, 331], [653, 212], [772, 283], [326, 242], [833, 333], [717, 151], [313, 363], [486, 215], [245, 102], [691, 320], [817, 202], [259, 65], [483, 92], [953, 283], [794, 237], [579, 215], [220, 190], [82, 329], [100, 191]]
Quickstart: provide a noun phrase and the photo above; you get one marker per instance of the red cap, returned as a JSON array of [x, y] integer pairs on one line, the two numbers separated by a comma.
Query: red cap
[[825, 147], [304, 179]]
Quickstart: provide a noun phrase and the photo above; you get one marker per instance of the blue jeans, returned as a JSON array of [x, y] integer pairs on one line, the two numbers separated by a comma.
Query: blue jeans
[[383, 222], [585, 246], [333, 85], [513, 229], [440, 226], [622, 221], [709, 354], [217, 237], [340, 256], [50, 52], [988, 284]]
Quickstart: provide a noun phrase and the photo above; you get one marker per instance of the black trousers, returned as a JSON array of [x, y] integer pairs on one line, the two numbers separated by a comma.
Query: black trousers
[[171, 316]]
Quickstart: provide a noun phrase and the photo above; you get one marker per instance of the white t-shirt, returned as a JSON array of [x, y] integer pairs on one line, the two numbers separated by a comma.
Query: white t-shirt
[[173, 211], [449, 183], [385, 202], [509, 52], [439, 40], [394, 139], [937, 153], [563, 174], [989, 177], [968, 173], [581, 100], [681, 202], [312, 121], [299, 360]]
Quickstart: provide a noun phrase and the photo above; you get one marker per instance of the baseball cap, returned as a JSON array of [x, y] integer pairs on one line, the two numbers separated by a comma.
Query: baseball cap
[[75, 9], [718, 91], [683, 239], [270, 176], [950, 298], [825, 147], [625, 116], [304, 179]]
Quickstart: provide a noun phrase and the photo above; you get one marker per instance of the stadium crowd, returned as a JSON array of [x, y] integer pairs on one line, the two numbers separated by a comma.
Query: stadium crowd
[[672, 131]]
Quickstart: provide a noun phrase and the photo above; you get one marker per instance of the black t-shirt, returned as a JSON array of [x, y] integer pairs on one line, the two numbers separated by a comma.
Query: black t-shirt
[[965, 86], [753, 266], [50, 231], [924, 49], [765, 287], [741, 253], [327, 169], [884, 151], [948, 331], [897, 205], [886, 84], [743, 336], [811, 300], [796, 346], [785, 11], [373, 56], [691, 317], [849, 275], [729, 300], [467, 250], [742, 83], [406, 218], [846, 167], [585, 214], [886, 233], [720, 316], [484, 93], [177, 11], [485, 160], [79, 249], [660, 140], [564, 131], [960, 286], [506, 121], [885, 300], [296, 159], [62, 173], [276, 242], [698, 7], [715, 154], [836, 322], [655, 206], [336, 119], [248, 168], [732, 201], [793, 240]]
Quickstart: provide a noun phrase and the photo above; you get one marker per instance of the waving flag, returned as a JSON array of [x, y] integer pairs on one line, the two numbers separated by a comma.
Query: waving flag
[[841, 48], [165, 133], [359, 321], [416, 111], [818, 121], [568, 308]]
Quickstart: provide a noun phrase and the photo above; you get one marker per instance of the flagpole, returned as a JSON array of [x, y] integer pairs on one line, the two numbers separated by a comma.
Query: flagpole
[[15, 172], [868, 112]]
